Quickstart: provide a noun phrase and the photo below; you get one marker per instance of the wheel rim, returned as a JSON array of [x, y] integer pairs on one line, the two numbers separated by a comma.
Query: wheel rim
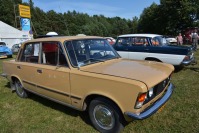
[[104, 117], [19, 88]]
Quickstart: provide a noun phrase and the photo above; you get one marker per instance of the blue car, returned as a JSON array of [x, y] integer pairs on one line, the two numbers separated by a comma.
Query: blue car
[[5, 52], [153, 47]]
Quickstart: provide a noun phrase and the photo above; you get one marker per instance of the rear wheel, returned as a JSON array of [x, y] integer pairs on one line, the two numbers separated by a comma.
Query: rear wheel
[[20, 90], [106, 116]]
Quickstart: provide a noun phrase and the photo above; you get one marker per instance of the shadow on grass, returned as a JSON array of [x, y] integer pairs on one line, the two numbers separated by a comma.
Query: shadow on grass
[[196, 69], [8, 85], [178, 69], [62, 108]]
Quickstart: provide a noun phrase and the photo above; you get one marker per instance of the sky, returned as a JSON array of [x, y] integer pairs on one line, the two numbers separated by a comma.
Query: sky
[[109, 8]]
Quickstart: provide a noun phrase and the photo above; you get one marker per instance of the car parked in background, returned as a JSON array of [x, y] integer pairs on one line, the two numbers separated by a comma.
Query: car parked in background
[[153, 47], [5, 51], [15, 48], [87, 74], [171, 39], [110, 40]]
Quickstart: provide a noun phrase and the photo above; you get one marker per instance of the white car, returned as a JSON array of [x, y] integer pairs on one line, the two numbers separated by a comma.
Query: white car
[[171, 40], [153, 47]]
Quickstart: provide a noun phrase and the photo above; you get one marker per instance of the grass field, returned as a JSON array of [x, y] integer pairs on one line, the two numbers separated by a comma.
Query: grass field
[[36, 114]]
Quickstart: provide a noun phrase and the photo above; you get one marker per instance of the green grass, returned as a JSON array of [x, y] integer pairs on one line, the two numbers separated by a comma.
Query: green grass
[[36, 114]]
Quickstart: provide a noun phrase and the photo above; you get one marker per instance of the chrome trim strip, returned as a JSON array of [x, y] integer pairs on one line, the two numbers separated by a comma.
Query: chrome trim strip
[[76, 97], [53, 91], [57, 101], [28, 83], [46, 88], [154, 108]]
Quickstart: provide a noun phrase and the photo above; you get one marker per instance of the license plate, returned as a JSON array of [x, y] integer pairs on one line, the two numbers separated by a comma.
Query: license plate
[[161, 108]]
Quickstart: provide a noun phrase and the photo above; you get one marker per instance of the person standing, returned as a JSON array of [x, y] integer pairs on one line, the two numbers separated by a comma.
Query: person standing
[[194, 37], [179, 39]]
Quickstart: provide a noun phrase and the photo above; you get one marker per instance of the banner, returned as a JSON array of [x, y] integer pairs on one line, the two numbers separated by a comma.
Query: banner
[[24, 11], [25, 24]]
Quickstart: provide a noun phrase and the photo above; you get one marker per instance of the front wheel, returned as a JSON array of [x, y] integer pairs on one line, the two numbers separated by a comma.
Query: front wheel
[[20, 90], [106, 116]]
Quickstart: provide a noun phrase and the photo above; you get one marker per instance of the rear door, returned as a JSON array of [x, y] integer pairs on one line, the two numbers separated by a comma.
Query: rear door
[[27, 65], [132, 47]]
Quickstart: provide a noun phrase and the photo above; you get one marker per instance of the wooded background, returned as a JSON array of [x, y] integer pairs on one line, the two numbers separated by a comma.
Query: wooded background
[[167, 18]]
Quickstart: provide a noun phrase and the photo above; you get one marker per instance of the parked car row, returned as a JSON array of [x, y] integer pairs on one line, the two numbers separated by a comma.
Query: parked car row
[[86, 73], [5, 51]]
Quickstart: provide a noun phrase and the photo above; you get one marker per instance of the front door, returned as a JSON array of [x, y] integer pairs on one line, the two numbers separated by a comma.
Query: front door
[[52, 74]]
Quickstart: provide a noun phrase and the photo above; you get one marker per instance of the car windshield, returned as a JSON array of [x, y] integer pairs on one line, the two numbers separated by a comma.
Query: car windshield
[[88, 51], [158, 40], [2, 44]]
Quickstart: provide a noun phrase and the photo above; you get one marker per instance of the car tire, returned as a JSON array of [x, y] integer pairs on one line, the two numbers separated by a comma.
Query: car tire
[[105, 116], [20, 90], [9, 56]]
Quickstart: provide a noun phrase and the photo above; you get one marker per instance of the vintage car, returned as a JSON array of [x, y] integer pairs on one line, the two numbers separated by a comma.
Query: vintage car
[[5, 51], [153, 47], [110, 40], [87, 74], [15, 48], [171, 39]]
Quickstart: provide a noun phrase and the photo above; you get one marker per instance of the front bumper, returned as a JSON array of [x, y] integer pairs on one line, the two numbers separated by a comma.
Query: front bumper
[[154, 108], [188, 62]]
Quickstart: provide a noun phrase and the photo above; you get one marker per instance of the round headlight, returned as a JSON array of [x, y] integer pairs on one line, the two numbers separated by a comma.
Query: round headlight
[[151, 92]]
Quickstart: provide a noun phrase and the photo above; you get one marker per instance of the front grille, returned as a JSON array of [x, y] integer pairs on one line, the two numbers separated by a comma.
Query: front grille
[[158, 89]]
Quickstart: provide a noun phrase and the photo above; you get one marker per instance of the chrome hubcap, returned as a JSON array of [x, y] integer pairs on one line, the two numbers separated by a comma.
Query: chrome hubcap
[[104, 117], [19, 88]]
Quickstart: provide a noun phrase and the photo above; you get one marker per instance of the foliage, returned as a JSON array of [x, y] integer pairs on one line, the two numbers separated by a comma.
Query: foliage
[[170, 17], [167, 18]]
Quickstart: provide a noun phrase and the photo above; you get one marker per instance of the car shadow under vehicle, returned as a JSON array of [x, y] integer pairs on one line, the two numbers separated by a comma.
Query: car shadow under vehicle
[[62, 108]]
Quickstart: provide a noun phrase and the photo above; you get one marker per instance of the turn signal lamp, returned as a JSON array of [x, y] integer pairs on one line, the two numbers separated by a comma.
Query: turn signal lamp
[[140, 100], [186, 58], [142, 97]]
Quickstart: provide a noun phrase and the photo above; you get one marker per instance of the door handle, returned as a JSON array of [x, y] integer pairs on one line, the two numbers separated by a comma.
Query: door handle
[[18, 67], [39, 70]]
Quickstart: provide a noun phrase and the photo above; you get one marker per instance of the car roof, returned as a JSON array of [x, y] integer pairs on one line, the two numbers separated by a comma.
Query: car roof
[[140, 35], [64, 38]]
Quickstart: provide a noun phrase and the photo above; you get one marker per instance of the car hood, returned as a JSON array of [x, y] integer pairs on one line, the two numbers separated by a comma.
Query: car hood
[[148, 72]]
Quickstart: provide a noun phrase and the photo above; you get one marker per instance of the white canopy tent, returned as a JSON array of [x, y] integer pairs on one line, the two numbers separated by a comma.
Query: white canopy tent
[[11, 35]]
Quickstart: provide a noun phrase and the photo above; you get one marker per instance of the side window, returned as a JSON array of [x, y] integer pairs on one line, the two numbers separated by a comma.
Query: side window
[[31, 53], [123, 41], [140, 41], [71, 53], [53, 54], [132, 41], [155, 41]]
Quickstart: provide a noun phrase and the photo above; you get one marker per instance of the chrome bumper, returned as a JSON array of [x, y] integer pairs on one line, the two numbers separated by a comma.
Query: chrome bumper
[[154, 108], [188, 62]]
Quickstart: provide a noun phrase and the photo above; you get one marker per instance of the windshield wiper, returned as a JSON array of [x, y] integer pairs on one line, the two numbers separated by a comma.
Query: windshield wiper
[[93, 59], [83, 63]]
